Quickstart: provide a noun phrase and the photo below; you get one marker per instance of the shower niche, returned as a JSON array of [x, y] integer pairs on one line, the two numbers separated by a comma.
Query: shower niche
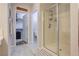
[[56, 28]]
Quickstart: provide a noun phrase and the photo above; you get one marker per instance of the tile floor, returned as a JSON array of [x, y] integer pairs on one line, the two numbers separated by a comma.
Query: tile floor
[[25, 50], [22, 50]]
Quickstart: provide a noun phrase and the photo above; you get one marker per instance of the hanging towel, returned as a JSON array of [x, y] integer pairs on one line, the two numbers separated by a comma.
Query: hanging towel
[[1, 36]]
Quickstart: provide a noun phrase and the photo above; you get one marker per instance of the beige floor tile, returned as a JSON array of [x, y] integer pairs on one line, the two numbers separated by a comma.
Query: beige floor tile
[[22, 50]]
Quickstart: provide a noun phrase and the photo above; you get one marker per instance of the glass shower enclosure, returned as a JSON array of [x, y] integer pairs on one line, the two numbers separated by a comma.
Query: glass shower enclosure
[[56, 28]]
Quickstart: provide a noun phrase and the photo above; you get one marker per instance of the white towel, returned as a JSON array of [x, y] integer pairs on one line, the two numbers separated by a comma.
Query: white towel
[[1, 36]]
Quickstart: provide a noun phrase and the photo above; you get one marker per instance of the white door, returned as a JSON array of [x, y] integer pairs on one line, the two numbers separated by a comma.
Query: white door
[[34, 28], [25, 28]]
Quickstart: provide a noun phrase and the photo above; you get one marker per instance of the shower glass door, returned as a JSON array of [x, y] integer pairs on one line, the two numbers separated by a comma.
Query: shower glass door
[[51, 29], [57, 28]]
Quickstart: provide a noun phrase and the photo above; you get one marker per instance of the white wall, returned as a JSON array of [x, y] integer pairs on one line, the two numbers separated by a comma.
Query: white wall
[[4, 24], [19, 24], [74, 28]]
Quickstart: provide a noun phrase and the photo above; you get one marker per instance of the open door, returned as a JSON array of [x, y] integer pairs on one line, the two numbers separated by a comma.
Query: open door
[[25, 25], [34, 29]]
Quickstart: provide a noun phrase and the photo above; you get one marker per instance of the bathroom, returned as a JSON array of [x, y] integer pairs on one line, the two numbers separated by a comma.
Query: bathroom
[[56, 33]]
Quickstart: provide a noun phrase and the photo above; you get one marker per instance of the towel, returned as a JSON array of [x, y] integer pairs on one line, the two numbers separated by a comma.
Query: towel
[[1, 36]]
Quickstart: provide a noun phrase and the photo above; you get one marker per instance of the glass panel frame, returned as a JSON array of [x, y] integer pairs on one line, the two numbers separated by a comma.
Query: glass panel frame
[[49, 25]]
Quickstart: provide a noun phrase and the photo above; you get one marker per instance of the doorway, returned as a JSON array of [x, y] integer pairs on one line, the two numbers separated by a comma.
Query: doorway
[[20, 16], [21, 26], [20, 32]]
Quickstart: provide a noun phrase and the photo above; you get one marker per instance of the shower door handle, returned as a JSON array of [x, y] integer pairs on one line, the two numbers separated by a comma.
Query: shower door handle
[[60, 49]]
